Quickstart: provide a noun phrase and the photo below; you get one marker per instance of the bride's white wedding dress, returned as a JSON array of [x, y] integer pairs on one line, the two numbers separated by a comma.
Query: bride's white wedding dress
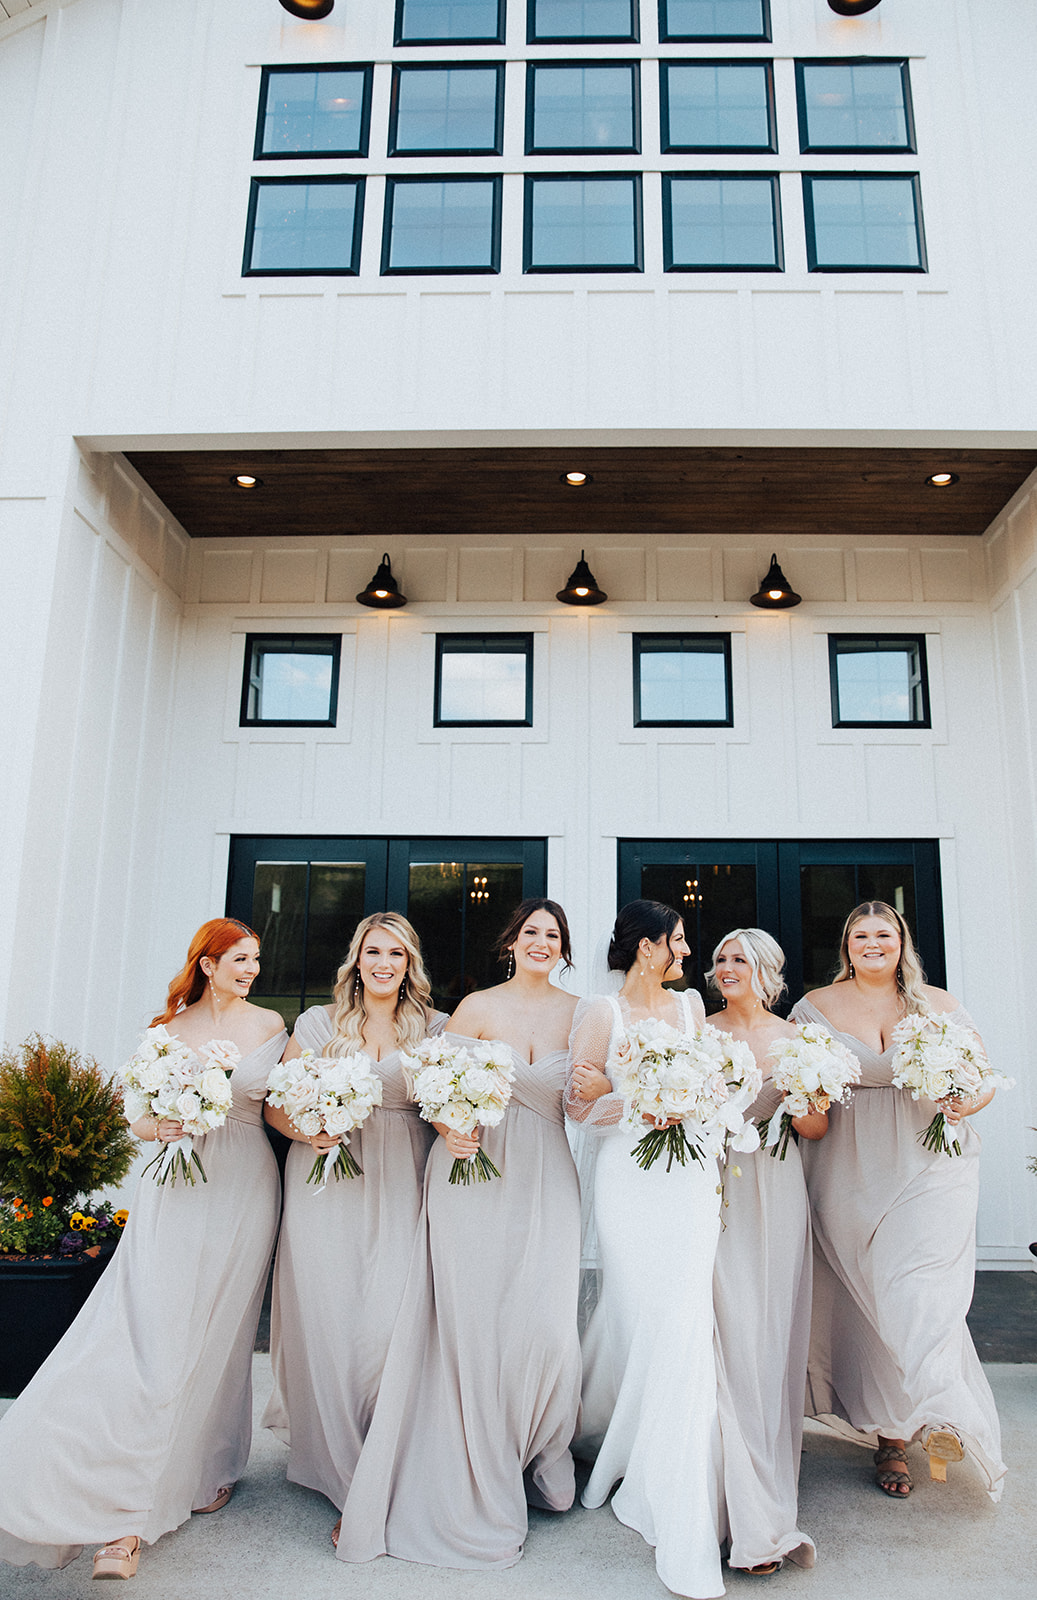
[[649, 1390]]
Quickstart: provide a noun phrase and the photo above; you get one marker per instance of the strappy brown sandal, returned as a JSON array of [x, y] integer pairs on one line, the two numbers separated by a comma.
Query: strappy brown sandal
[[117, 1560], [897, 1485], [336, 1530]]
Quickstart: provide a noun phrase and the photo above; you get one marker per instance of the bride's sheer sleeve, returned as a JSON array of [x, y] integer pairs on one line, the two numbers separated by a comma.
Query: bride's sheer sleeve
[[589, 1044]]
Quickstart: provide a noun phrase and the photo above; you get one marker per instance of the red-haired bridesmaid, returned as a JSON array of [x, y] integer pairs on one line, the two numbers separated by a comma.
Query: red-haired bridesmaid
[[142, 1414]]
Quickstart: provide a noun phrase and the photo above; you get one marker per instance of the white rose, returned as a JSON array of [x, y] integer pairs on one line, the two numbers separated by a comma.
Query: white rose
[[458, 1116], [215, 1087]]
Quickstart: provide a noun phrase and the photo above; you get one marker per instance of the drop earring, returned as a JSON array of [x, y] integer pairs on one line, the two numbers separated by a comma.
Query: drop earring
[[356, 990], [511, 966], [852, 973]]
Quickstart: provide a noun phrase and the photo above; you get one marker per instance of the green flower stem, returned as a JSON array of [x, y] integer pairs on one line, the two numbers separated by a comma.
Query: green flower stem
[[473, 1169], [674, 1141]]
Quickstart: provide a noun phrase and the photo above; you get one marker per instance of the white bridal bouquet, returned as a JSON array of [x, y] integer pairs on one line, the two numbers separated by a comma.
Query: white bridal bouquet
[[165, 1078], [938, 1059], [327, 1094], [709, 1081], [464, 1086], [811, 1069]]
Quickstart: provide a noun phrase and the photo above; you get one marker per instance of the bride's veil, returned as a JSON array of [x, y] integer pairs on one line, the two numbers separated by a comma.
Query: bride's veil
[[585, 1147]]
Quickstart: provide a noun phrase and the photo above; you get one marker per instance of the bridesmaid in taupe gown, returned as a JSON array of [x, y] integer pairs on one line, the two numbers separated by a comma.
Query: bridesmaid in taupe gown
[[761, 1284], [891, 1359], [143, 1412], [481, 1388], [343, 1253]]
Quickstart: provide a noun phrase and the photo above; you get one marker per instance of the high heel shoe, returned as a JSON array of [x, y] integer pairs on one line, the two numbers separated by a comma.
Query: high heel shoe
[[222, 1496], [117, 1560], [942, 1446]]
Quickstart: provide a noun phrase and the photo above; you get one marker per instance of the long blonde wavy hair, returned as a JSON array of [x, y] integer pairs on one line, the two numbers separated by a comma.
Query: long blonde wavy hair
[[910, 976], [413, 1003]]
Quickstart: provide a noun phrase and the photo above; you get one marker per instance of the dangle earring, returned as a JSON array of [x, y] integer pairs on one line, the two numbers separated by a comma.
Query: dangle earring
[[213, 994], [852, 973], [356, 989], [900, 976], [511, 966], [402, 995]]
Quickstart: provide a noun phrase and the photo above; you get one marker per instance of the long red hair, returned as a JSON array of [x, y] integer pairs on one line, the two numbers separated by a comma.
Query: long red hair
[[214, 939]]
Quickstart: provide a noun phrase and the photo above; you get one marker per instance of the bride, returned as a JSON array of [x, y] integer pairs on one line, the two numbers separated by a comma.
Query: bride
[[649, 1389]]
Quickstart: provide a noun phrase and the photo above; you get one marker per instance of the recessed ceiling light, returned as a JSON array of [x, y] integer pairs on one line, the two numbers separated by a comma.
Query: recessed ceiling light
[[576, 480], [246, 480], [941, 480]]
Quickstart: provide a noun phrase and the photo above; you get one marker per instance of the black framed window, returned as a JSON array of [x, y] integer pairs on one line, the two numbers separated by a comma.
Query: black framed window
[[441, 225], [571, 106], [443, 21], [682, 680], [290, 680], [721, 222], [484, 680], [577, 223], [595, 21], [863, 222], [714, 19], [717, 105], [315, 111], [854, 105], [878, 680], [447, 110], [303, 226]]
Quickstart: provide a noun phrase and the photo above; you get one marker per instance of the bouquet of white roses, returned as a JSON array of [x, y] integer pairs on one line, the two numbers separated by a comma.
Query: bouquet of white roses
[[938, 1059], [811, 1069], [708, 1081], [327, 1094], [165, 1078], [464, 1086]]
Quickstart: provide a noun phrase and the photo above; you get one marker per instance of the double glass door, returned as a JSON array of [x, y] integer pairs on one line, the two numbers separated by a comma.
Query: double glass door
[[799, 890], [305, 897]]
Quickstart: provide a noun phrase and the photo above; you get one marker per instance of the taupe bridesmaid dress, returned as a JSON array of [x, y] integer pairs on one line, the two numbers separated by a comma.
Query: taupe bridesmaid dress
[[481, 1386], [144, 1410], [894, 1269], [342, 1261], [761, 1304]]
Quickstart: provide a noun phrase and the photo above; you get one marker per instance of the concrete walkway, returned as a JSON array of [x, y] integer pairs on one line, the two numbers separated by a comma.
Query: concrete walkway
[[944, 1543]]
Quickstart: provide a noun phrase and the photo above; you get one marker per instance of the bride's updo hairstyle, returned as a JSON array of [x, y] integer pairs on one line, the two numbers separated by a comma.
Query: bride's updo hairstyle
[[213, 939], [910, 976], [413, 1002], [766, 963], [640, 919], [506, 938]]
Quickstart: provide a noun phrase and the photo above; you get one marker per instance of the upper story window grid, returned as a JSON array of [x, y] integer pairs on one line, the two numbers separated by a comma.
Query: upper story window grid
[[705, 108]]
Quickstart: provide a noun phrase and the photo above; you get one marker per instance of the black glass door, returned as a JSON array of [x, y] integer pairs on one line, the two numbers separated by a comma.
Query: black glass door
[[305, 897], [799, 890]]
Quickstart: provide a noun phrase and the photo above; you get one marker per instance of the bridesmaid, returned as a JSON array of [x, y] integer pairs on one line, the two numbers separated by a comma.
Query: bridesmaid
[[761, 1284], [649, 1391], [343, 1253], [891, 1359], [482, 1383], [143, 1412]]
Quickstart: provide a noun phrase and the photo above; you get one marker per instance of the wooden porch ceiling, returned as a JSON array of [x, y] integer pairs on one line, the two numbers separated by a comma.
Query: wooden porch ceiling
[[722, 492]]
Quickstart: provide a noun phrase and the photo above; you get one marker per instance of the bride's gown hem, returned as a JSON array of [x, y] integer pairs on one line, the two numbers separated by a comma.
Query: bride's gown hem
[[143, 1411], [894, 1271]]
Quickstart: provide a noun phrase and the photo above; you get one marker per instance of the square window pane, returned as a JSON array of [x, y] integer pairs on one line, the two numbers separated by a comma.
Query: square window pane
[[878, 680], [438, 21], [484, 679], [714, 19], [583, 222], [582, 19], [442, 225], [444, 109], [318, 113], [289, 680], [573, 107], [871, 223], [720, 222], [309, 226], [711, 106], [683, 678], [854, 106]]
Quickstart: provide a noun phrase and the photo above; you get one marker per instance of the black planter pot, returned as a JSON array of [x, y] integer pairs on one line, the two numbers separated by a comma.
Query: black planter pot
[[40, 1298]]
